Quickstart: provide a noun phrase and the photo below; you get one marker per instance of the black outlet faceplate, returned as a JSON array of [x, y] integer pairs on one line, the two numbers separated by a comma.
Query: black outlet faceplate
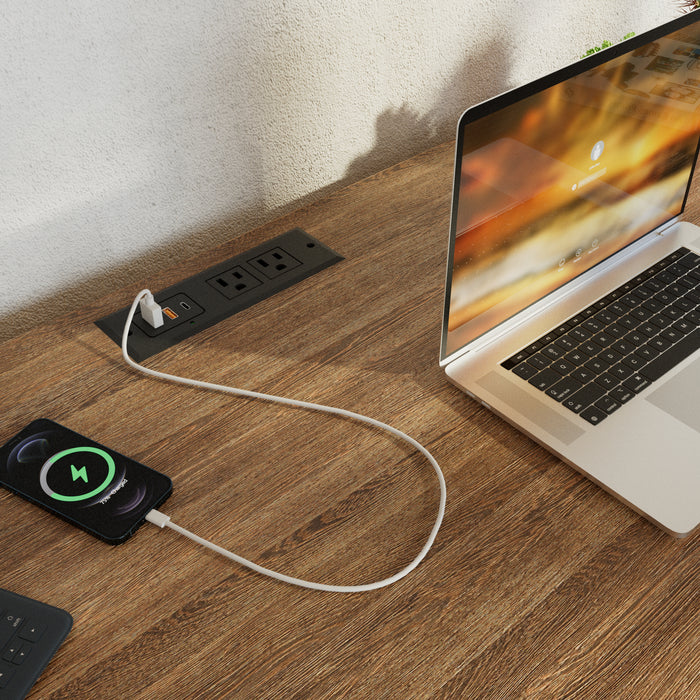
[[223, 290]]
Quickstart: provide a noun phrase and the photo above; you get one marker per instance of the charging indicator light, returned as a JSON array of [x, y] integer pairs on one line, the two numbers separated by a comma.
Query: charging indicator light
[[76, 473]]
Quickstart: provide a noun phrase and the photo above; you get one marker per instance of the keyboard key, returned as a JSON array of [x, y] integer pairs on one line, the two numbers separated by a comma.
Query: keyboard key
[[622, 394], [32, 631], [564, 388], [580, 334], [597, 365], [607, 404], [667, 360], [22, 653], [593, 415], [539, 361], [563, 366], [583, 397], [545, 379], [6, 673], [525, 370], [636, 383], [576, 357], [621, 371], [607, 381], [583, 375], [634, 362], [553, 352]]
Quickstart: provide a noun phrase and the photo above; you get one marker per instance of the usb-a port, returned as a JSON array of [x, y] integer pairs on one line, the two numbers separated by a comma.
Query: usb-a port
[[187, 311]]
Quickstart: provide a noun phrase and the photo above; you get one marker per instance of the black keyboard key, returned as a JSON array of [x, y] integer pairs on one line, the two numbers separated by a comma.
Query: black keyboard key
[[603, 339], [583, 397], [593, 325], [683, 326], [641, 313], [525, 370], [6, 673], [659, 343], [607, 404], [648, 329], [607, 381], [610, 356], [624, 347], [671, 334], [590, 349], [10, 623], [563, 388], [32, 631], [580, 334], [636, 339], [576, 357], [563, 366], [646, 352], [621, 371], [597, 365], [634, 362], [669, 359], [566, 342], [622, 394], [583, 375], [539, 361], [545, 379], [593, 415], [515, 360], [636, 383], [553, 352]]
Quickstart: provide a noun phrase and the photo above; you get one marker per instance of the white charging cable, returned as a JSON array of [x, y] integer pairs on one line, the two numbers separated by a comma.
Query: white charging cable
[[162, 520]]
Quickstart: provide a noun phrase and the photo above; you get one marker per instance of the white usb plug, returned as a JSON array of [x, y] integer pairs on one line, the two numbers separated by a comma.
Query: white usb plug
[[151, 311]]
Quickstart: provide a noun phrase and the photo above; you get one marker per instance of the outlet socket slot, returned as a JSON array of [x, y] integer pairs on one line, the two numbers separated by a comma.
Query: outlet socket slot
[[233, 282], [273, 263]]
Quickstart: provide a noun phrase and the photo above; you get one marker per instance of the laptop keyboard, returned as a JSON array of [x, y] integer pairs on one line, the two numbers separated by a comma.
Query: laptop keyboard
[[605, 355]]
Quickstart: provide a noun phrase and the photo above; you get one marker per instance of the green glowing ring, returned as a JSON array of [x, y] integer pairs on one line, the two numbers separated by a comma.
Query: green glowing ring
[[111, 470]]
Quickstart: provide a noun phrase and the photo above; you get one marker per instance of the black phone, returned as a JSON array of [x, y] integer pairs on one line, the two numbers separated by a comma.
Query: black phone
[[81, 481]]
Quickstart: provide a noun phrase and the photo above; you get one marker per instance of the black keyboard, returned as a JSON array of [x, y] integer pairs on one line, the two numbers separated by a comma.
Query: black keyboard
[[608, 353], [30, 634]]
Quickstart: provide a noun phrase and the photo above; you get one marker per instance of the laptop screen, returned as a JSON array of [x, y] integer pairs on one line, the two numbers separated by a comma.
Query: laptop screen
[[554, 177]]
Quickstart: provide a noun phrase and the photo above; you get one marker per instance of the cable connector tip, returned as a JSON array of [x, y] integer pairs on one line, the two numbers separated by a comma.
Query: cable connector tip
[[151, 311], [157, 518]]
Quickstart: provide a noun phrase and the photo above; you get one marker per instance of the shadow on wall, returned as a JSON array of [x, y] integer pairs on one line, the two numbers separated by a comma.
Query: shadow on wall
[[400, 133], [405, 132]]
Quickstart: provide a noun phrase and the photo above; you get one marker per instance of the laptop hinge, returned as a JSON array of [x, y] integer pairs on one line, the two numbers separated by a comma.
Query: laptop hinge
[[540, 307]]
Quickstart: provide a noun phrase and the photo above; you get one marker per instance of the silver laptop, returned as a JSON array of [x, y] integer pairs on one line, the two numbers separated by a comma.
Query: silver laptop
[[572, 302]]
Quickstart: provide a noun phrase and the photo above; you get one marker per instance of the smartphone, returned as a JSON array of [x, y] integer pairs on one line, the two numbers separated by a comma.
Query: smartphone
[[81, 481]]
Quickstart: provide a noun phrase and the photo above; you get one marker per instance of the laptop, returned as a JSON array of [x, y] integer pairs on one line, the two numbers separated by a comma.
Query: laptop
[[572, 304]]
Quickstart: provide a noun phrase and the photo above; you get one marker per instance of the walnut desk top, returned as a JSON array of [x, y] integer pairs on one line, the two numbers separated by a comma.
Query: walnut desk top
[[539, 585]]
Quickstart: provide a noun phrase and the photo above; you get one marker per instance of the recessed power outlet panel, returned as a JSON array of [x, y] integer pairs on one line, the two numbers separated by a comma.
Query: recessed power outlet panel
[[205, 299]]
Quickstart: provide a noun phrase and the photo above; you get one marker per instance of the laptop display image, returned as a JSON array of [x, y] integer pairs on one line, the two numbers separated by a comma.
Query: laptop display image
[[572, 303]]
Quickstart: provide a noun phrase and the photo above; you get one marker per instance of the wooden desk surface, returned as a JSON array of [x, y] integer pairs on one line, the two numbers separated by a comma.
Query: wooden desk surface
[[540, 585]]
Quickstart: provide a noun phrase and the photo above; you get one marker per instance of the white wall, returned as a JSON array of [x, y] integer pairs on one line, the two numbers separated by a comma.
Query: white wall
[[157, 129]]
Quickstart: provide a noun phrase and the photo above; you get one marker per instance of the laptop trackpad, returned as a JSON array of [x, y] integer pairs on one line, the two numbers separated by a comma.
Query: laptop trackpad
[[679, 396]]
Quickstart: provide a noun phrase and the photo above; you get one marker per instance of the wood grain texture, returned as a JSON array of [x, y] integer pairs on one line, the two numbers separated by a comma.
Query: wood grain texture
[[540, 585]]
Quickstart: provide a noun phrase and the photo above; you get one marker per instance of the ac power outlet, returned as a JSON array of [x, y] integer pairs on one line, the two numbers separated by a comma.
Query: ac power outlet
[[274, 263], [208, 297], [233, 282]]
